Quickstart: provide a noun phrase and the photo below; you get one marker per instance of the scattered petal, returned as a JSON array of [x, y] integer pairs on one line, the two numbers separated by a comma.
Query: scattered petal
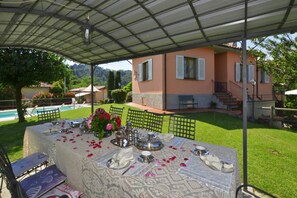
[[87, 150], [159, 168], [183, 165], [163, 164], [58, 140], [170, 146], [186, 158], [74, 147], [90, 155]]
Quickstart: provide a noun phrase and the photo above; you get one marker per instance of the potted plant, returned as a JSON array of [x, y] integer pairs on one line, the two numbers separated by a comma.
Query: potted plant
[[103, 124], [213, 104]]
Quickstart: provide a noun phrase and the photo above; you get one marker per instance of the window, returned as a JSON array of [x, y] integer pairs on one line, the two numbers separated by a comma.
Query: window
[[190, 68], [238, 72], [265, 77], [145, 70]]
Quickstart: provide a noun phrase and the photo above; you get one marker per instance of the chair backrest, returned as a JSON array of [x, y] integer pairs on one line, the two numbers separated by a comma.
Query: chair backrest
[[6, 171], [116, 110], [182, 127], [136, 117], [52, 114], [153, 122]]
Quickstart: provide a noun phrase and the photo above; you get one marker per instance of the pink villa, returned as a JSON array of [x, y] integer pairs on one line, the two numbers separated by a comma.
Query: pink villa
[[210, 74]]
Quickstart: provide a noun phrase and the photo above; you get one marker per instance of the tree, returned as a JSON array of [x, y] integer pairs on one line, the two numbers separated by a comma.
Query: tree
[[57, 88], [110, 83], [117, 80], [281, 59], [25, 67]]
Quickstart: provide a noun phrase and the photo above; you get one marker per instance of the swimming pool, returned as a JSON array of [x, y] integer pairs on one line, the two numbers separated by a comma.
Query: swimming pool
[[11, 114]]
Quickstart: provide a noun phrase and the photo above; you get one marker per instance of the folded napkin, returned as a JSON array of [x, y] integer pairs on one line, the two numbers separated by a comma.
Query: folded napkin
[[122, 158], [166, 137], [215, 163]]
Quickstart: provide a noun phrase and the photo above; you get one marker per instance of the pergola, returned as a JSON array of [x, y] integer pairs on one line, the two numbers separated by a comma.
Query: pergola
[[125, 29]]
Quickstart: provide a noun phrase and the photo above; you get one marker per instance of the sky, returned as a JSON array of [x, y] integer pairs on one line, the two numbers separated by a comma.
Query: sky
[[120, 65]]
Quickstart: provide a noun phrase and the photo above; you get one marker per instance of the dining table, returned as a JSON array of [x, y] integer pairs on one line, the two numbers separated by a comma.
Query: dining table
[[176, 170]]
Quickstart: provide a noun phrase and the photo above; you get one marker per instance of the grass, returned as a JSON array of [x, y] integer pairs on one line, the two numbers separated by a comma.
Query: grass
[[272, 153]]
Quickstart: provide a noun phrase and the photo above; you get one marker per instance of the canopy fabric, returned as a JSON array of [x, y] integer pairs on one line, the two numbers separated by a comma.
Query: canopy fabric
[[81, 94], [89, 89], [134, 28], [291, 92]]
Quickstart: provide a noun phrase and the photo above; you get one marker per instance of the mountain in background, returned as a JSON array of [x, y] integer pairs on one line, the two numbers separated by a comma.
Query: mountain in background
[[82, 76]]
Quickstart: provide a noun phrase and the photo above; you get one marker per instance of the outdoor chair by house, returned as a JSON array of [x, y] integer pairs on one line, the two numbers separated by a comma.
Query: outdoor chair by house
[[26, 165], [153, 122], [45, 115], [136, 117], [116, 110], [182, 127], [42, 184], [187, 101]]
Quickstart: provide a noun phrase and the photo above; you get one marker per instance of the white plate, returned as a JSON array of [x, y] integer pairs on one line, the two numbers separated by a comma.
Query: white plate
[[119, 167]]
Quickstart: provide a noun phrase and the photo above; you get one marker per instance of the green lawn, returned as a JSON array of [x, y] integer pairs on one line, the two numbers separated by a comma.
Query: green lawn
[[272, 153]]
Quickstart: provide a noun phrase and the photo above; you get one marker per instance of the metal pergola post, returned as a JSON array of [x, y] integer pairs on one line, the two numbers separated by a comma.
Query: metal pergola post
[[244, 115], [92, 88]]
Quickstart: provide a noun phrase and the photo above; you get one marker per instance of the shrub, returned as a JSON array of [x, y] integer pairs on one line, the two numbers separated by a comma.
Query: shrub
[[42, 95], [69, 95], [129, 97], [119, 95], [57, 88], [128, 87]]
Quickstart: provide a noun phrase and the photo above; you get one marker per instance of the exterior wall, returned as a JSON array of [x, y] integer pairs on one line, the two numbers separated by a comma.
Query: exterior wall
[[202, 90], [149, 92], [29, 92], [260, 112], [221, 72], [186, 86], [99, 96], [236, 87]]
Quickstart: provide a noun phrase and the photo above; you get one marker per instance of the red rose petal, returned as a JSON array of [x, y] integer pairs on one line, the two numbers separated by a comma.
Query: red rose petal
[[90, 155], [183, 165], [75, 148], [170, 146], [163, 164], [58, 140], [186, 159], [159, 168], [174, 148], [87, 150]]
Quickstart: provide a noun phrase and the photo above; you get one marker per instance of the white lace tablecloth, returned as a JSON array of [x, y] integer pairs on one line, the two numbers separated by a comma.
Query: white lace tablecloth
[[82, 158]]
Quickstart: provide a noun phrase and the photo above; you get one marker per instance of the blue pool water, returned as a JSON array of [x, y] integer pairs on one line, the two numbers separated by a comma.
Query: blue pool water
[[12, 113]]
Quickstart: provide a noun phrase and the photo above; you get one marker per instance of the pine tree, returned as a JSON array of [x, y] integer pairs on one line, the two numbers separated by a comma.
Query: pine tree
[[110, 83], [117, 81]]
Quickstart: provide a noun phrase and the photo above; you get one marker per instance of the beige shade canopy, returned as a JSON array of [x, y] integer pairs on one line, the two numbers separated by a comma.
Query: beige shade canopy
[[134, 28], [89, 89]]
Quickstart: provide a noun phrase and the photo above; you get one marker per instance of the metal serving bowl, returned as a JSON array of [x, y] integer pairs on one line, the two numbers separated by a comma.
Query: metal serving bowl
[[149, 143]]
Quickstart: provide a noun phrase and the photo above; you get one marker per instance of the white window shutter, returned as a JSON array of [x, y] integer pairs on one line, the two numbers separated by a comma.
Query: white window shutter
[[267, 77], [140, 73], [237, 72], [201, 69], [150, 69], [251, 73], [179, 67]]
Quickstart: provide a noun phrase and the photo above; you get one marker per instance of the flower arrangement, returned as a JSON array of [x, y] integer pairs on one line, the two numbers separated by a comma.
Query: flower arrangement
[[101, 121]]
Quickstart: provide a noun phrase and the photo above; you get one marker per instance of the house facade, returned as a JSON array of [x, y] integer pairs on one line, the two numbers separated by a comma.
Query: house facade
[[207, 74]]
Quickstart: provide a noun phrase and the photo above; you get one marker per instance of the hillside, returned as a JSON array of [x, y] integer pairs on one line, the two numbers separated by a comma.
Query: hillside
[[81, 76]]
